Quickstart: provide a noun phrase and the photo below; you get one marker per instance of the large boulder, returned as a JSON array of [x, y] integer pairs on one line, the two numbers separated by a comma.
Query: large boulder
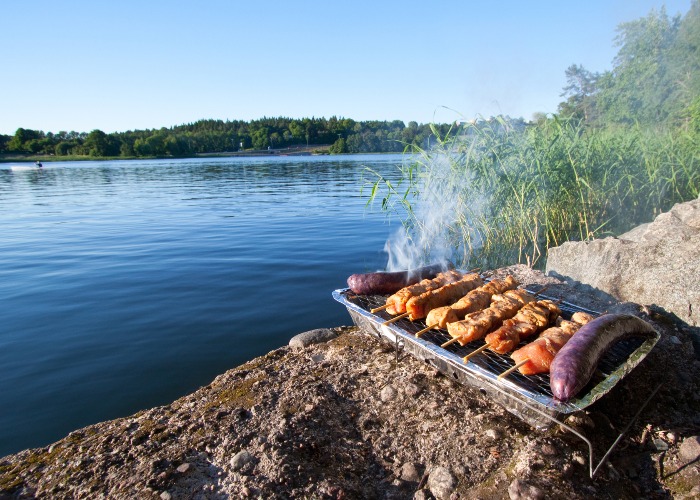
[[654, 264]]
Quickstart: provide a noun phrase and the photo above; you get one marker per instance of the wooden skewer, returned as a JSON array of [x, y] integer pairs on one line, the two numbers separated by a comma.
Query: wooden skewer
[[512, 369], [396, 318], [421, 332], [380, 308], [450, 342], [474, 353]]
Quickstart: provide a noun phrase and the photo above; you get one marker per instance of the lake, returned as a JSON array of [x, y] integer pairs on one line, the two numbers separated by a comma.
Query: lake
[[127, 284]]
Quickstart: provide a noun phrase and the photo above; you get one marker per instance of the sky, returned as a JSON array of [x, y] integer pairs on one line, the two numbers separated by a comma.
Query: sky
[[127, 65]]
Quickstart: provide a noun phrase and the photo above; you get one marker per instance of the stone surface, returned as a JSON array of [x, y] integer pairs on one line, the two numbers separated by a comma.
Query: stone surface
[[654, 264], [311, 337]]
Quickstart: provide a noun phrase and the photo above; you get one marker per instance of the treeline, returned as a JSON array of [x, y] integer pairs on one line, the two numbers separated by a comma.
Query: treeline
[[343, 135]]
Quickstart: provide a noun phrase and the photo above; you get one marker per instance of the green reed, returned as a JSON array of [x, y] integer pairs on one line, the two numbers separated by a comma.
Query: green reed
[[512, 193]]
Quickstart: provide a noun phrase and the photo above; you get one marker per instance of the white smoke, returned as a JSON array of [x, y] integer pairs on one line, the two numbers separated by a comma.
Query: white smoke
[[439, 217]]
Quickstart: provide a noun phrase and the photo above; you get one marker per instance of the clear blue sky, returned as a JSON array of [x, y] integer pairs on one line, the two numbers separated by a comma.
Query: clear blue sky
[[124, 65]]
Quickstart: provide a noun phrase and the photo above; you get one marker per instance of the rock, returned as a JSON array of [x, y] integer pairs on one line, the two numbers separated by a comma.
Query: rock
[[653, 264], [241, 459], [549, 450], [312, 337], [388, 393], [165, 496], [410, 472], [183, 468], [421, 495], [520, 490], [441, 483], [492, 434], [660, 445], [412, 390], [690, 448]]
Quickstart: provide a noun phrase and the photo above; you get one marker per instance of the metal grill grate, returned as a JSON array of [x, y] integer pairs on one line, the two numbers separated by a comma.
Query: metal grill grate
[[488, 364]]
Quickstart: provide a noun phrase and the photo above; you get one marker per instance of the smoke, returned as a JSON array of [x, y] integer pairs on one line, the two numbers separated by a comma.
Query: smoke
[[439, 221]]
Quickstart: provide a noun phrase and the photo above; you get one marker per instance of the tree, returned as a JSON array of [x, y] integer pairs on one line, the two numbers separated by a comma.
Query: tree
[[639, 85], [22, 136], [339, 147], [580, 91]]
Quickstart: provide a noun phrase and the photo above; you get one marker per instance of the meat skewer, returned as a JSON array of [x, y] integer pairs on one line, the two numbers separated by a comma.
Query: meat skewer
[[537, 356], [531, 319], [477, 324], [473, 301], [419, 306], [396, 303]]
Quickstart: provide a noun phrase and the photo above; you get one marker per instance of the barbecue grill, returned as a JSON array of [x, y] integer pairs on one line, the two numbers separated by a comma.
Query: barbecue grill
[[528, 397]]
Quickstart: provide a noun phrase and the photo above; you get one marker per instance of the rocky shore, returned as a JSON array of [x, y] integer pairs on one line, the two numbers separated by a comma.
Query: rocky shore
[[341, 418]]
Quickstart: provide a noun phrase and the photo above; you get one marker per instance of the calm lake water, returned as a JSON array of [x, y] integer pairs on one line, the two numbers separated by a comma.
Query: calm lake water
[[127, 284]]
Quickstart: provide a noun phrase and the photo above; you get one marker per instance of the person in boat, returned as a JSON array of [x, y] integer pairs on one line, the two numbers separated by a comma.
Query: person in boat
[[38, 164]]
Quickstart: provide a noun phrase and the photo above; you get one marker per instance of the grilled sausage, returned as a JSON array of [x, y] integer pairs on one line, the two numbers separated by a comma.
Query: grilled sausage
[[575, 363], [383, 283]]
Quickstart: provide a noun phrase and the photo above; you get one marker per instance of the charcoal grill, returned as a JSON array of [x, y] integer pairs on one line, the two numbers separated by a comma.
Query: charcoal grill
[[528, 397]]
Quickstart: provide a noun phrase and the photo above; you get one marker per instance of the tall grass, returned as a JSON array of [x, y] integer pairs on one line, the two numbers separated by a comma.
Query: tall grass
[[512, 193]]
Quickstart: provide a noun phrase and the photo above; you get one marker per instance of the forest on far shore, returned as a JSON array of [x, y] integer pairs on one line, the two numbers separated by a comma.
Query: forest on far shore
[[338, 135]]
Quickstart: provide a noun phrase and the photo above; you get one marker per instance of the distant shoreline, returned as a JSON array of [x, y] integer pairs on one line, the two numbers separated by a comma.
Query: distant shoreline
[[313, 150]]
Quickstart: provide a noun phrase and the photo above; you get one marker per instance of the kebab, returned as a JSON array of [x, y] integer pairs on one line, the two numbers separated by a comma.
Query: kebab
[[473, 301], [419, 306], [537, 356], [477, 324], [396, 303], [531, 319]]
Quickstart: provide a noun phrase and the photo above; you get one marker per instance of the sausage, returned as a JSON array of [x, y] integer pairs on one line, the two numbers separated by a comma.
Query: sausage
[[575, 363], [383, 283]]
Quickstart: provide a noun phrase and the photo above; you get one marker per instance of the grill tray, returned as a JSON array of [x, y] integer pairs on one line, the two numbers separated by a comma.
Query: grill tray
[[528, 397]]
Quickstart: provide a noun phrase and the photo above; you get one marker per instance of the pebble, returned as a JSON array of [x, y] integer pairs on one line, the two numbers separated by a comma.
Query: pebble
[[520, 490], [409, 472], [549, 450], [412, 390], [312, 337], [492, 434], [675, 340], [660, 444], [441, 483], [183, 468], [690, 448], [362, 370], [388, 393], [421, 495], [165, 496], [580, 421], [241, 459]]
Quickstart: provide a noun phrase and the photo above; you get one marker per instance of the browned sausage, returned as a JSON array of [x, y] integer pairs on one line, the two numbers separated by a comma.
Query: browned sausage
[[383, 283], [575, 363]]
